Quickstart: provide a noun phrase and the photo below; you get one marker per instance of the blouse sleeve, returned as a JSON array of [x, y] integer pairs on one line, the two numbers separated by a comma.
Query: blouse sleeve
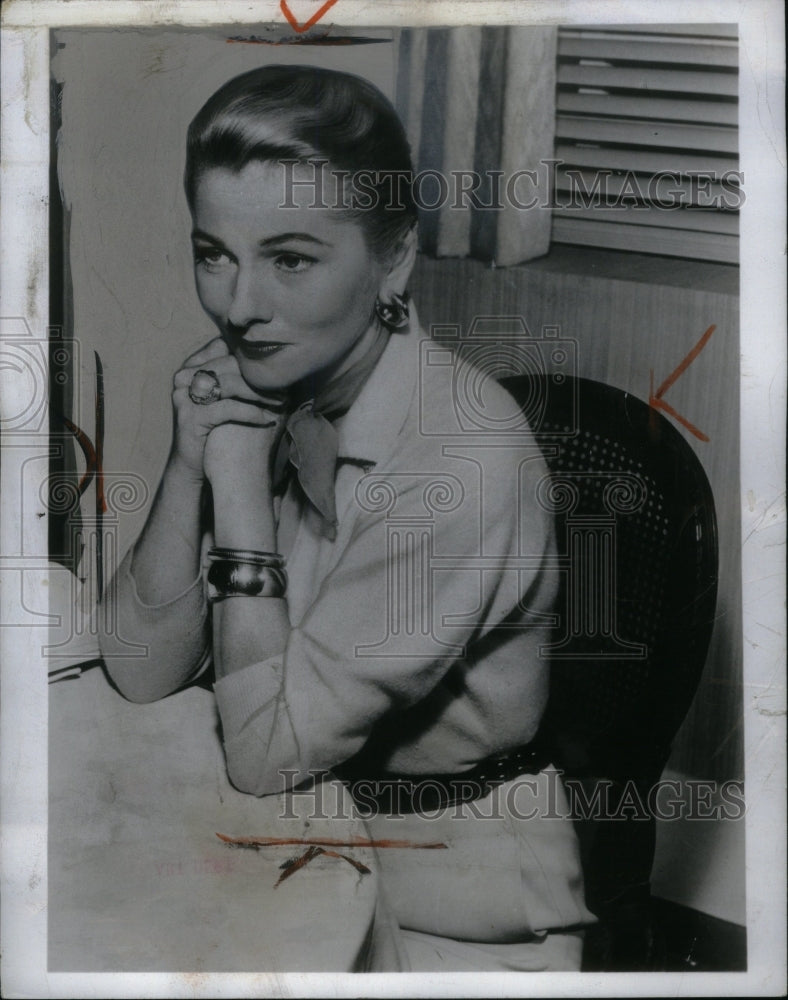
[[384, 629], [152, 650]]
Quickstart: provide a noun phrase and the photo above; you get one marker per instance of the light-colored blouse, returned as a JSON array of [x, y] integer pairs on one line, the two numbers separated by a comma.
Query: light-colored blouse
[[421, 627]]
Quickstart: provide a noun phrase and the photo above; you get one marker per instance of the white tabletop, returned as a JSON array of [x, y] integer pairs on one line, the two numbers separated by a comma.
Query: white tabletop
[[139, 881]]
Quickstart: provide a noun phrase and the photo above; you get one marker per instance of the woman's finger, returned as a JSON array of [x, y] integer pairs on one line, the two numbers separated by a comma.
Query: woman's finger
[[214, 349], [219, 365], [224, 411], [234, 411], [222, 363], [232, 384]]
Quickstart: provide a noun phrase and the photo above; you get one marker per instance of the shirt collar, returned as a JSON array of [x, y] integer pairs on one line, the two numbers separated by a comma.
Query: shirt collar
[[368, 431]]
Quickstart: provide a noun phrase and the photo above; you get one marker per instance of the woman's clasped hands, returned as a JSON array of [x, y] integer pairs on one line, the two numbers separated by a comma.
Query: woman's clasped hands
[[235, 427]]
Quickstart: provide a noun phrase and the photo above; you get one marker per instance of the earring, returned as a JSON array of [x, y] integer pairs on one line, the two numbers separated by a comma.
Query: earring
[[395, 314]]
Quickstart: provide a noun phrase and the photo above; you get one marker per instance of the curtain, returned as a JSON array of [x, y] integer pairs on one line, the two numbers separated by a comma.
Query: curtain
[[481, 100]]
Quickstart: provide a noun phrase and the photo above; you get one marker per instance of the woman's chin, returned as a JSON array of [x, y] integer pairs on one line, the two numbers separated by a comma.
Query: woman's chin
[[269, 383], [263, 379], [269, 390]]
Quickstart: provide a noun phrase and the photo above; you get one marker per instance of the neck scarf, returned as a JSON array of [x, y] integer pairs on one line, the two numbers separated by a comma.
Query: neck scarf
[[309, 443]]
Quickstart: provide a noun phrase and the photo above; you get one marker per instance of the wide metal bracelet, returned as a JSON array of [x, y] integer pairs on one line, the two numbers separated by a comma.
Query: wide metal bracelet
[[250, 556], [229, 578]]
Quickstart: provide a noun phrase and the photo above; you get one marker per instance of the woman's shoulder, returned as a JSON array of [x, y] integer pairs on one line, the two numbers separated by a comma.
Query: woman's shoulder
[[459, 401], [464, 436]]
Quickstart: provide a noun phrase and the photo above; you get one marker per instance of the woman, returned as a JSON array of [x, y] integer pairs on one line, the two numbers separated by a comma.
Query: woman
[[348, 623]]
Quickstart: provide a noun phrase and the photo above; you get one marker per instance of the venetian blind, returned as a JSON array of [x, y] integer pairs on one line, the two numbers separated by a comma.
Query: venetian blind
[[647, 140]]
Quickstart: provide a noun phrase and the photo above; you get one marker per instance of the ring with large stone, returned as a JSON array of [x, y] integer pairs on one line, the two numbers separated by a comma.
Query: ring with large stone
[[204, 388]]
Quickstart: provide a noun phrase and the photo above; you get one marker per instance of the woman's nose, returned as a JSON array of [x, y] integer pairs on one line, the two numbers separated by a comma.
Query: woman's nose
[[249, 304]]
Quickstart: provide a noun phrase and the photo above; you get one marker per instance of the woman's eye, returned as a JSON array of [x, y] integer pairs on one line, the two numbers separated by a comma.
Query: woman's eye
[[293, 262], [210, 258]]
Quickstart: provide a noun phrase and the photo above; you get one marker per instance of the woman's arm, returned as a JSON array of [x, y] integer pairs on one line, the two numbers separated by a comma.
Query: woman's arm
[[154, 621], [166, 558], [313, 703], [237, 463]]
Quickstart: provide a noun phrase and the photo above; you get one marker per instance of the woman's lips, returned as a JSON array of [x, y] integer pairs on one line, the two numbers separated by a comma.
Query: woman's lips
[[255, 350]]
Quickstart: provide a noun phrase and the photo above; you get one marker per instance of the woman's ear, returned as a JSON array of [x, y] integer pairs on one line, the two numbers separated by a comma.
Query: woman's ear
[[400, 264]]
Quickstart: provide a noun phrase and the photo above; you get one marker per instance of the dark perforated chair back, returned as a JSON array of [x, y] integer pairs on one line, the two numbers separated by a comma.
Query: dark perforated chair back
[[637, 544]]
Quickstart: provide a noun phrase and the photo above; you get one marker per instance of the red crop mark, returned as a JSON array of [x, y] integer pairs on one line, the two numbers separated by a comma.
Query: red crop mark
[[257, 842], [291, 867], [301, 28], [89, 453], [94, 467], [315, 846], [94, 455], [655, 398]]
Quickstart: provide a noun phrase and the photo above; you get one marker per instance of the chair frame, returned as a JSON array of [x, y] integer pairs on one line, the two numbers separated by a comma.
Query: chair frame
[[624, 747]]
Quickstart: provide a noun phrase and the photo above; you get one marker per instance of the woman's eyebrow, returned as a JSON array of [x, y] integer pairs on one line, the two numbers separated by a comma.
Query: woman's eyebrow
[[200, 234], [287, 237]]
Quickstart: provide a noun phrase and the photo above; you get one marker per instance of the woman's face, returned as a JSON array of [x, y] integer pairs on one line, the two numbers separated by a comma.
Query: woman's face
[[291, 290]]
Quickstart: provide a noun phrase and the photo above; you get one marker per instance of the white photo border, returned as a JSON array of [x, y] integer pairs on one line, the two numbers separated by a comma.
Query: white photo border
[[24, 255]]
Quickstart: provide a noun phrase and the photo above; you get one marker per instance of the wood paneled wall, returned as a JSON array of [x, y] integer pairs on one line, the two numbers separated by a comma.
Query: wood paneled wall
[[631, 315]]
